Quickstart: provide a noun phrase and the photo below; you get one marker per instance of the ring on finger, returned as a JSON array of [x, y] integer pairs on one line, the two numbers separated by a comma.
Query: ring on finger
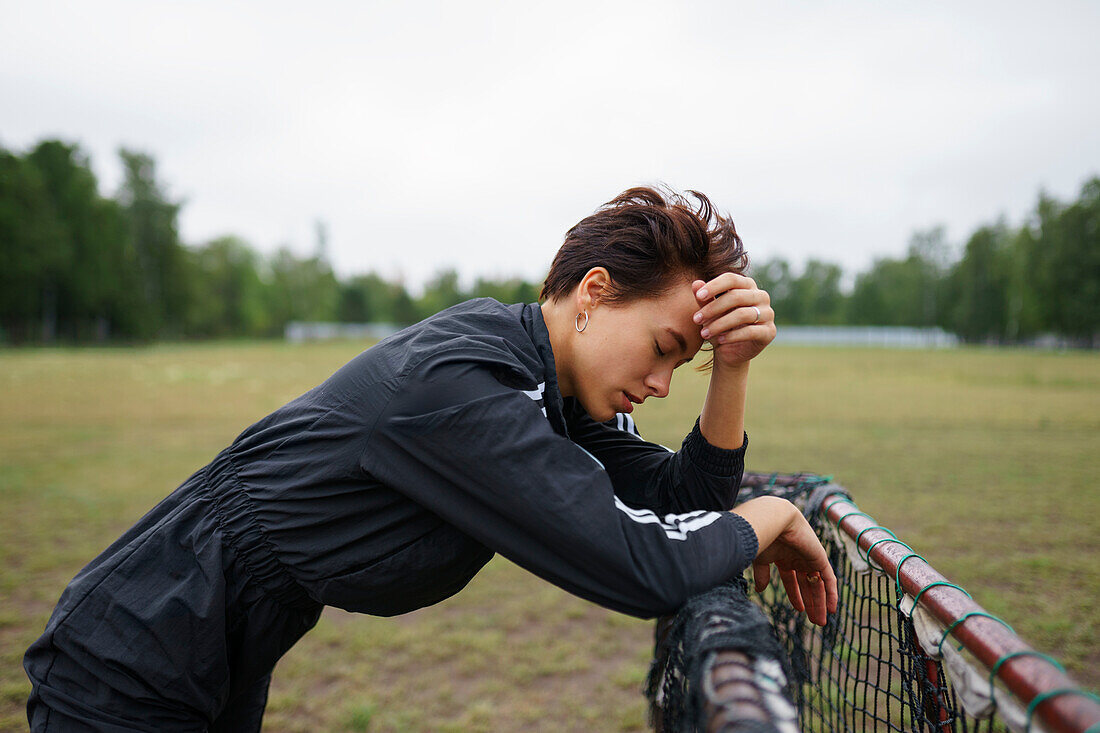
[[814, 577], [757, 314]]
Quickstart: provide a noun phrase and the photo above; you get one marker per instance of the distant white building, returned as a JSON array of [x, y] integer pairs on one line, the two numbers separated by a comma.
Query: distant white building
[[297, 331], [893, 337]]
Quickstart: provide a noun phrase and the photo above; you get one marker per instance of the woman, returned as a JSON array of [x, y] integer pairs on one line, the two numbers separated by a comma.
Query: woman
[[387, 487]]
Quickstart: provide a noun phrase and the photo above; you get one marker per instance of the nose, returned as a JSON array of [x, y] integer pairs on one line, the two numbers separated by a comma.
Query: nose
[[659, 382]]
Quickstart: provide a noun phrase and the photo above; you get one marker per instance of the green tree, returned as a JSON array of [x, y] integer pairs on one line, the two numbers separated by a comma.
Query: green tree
[[151, 220], [95, 288], [524, 292], [367, 299], [905, 292], [405, 312], [1069, 264], [509, 290], [775, 276], [929, 259], [301, 289], [227, 295], [978, 287], [1024, 314], [815, 297], [811, 297], [441, 292], [33, 249]]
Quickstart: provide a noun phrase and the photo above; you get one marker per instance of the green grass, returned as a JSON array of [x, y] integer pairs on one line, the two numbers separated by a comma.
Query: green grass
[[984, 460]]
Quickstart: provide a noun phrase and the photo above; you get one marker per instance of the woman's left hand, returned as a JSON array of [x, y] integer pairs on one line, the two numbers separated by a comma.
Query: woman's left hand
[[735, 316]]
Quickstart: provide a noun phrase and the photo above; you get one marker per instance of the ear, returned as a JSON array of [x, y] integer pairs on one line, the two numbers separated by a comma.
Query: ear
[[592, 288]]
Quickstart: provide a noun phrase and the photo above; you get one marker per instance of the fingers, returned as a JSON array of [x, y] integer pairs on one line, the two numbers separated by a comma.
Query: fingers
[[832, 595], [808, 578], [737, 305], [824, 580], [791, 586], [710, 307], [758, 333], [819, 593], [722, 283], [761, 576], [813, 593], [731, 323]]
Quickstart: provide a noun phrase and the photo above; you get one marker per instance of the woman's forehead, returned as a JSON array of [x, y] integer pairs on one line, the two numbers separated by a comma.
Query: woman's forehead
[[672, 313], [678, 303]]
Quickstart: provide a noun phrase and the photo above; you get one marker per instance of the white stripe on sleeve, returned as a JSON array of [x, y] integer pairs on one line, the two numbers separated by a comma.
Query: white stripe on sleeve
[[676, 526]]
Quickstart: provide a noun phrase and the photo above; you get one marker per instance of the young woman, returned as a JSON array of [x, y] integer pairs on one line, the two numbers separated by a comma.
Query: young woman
[[387, 487]]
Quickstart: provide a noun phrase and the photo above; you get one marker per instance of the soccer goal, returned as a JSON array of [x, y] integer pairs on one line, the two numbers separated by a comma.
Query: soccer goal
[[907, 650]]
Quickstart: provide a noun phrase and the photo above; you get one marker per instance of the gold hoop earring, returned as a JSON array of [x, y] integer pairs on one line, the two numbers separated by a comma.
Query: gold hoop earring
[[577, 322]]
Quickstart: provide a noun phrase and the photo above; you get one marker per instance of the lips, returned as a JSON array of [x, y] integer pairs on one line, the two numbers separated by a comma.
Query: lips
[[628, 402]]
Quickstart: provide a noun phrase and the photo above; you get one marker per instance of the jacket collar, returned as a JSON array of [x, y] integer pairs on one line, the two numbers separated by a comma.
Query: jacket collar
[[533, 323]]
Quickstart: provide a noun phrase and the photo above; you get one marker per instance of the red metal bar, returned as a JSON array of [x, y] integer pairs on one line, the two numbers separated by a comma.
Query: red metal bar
[[936, 709], [989, 641]]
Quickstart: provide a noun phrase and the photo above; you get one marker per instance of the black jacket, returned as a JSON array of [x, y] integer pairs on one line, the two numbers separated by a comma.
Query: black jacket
[[387, 487]]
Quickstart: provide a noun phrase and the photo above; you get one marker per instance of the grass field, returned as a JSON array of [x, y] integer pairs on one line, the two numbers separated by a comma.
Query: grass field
[[986, 461]]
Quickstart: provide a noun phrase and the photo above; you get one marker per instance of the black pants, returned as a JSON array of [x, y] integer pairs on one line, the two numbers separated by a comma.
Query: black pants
[[243, 714], [175, 627]]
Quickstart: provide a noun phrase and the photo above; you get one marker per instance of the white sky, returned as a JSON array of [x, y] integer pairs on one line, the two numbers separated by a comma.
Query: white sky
[[473, 134]]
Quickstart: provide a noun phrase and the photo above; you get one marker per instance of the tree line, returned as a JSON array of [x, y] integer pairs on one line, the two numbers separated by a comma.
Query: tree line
[[82, 267], [79, 266], [1008, 285]]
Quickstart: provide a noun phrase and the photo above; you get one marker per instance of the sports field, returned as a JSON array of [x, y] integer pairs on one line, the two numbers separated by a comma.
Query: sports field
[[985, 461]]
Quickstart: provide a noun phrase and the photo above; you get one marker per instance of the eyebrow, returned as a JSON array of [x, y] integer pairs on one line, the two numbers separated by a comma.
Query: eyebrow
[[679, 339]]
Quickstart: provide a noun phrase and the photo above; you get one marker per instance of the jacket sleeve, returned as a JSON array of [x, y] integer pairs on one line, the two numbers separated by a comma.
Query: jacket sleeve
[[650, 476], [483, 457]]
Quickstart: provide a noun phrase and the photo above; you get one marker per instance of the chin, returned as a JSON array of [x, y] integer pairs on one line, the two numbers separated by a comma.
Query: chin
[[598, 413]]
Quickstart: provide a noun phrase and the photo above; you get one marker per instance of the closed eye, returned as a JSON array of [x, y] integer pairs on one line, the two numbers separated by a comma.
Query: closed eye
[[657, 346]]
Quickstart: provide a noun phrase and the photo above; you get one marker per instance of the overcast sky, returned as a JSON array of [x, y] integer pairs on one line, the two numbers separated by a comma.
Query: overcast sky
[[473, 134]]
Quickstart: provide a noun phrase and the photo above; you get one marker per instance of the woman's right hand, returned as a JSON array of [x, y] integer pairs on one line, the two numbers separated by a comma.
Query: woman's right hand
[[787, 541]]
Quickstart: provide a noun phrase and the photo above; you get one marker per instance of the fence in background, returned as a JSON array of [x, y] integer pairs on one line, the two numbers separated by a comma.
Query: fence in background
[[298, 331], [894, 337]]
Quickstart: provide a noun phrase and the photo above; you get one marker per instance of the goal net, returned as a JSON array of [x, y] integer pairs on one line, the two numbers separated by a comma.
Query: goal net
[[906, 650]]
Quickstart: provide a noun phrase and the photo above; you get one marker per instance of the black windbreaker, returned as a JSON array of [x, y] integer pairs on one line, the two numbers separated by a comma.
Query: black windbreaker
[[385, 489], [388, 486]]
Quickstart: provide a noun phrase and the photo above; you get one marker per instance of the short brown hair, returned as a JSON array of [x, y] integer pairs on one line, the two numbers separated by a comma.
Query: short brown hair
[[647, 238]]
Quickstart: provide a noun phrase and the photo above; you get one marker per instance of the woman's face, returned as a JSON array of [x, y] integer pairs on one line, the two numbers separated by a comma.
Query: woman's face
[[628, 351]]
